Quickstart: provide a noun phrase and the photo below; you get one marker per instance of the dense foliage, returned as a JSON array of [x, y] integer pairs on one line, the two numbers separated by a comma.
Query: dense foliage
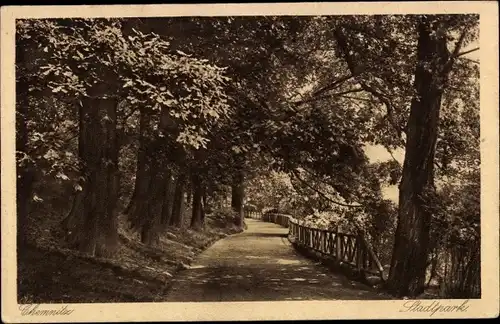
[[144, 117]]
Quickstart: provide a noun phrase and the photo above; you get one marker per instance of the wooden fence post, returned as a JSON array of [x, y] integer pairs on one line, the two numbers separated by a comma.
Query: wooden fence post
[[359, 253], [338, 246]]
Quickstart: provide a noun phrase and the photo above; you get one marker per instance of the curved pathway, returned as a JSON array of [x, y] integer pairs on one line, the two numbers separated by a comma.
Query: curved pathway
[[260, 264]]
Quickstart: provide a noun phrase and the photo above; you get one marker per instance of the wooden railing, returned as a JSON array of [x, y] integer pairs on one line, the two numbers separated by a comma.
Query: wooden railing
[[280, 219], [253, 214], [350, 249]]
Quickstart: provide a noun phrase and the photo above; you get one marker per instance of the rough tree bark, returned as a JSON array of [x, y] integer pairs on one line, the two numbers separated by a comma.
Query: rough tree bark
[[166, 210], [207, 208], [189, 194], [237, 196], [137, 202], [152, 224], [198, 212], [108, 234], [177, 217], [149, 207], [409, 259], [92, 224]]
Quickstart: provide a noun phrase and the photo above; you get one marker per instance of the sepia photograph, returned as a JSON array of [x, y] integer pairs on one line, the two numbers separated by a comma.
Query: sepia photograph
[[275, 157]]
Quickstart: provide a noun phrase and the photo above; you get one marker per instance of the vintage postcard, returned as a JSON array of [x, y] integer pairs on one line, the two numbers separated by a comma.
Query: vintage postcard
[[279, 161]]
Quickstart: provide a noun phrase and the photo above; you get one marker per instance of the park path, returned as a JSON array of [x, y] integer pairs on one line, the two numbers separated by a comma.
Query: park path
[[260, 264]]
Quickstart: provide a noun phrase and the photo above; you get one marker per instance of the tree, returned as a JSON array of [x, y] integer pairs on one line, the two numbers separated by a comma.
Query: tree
[[197, 89], [142, 69], [417, 189], [434, 63], [97, 122], [394, 80]]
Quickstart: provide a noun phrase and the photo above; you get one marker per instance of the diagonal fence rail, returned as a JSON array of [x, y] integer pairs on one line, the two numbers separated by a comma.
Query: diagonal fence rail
[[346, 249]]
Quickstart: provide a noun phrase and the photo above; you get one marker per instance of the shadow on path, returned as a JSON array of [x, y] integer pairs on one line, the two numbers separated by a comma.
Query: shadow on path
[[260, 264]]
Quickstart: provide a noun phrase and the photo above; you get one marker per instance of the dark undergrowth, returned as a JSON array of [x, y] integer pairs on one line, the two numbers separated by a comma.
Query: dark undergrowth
[[48, 272]]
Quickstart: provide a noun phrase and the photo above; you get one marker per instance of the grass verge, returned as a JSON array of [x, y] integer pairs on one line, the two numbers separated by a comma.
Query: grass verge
[[50, 273]]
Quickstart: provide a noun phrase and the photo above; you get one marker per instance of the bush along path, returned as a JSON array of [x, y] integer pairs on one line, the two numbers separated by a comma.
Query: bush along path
[[260, 264]]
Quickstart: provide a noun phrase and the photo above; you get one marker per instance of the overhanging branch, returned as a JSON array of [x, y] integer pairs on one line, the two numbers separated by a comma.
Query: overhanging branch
[[455, 54], [338, 94], [356, 98], [342, 43], [294, 173], [467, 52], [468, 59], [332, 85]]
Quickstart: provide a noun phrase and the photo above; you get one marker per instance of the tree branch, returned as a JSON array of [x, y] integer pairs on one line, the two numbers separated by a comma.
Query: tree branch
[[467, 59], [392, 155], [356, 98], [294, 172], [332, 85], [467, 52], [299, 103], [458, 46], [342, 43], [449, 64]]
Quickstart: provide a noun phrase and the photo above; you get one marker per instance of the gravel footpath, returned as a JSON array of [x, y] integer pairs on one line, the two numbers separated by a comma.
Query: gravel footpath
[[257, 265]]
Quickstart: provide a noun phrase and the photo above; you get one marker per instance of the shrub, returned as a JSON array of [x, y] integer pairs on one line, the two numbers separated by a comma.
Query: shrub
[[223, 217]]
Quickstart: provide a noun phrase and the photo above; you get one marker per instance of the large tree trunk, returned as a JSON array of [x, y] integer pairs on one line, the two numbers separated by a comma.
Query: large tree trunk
[[108, 233], [207, 207], [168, 199], [92, 224], [237, 196], [198, 213], [177, 218], [409, 260], [152, 224], [137, 205], [149, 208], [189, 194]]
